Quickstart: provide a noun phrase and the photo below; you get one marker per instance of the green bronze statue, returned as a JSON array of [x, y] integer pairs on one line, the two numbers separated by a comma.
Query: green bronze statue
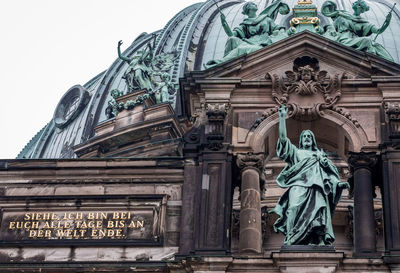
[[164, 88], [354, 31], [114, 107], [255, 32], [151, 72], [139, 74], [314, 188]]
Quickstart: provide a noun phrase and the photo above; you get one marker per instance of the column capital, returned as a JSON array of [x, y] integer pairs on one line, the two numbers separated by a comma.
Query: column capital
[[392, 118], [250, 160], [366, 160]]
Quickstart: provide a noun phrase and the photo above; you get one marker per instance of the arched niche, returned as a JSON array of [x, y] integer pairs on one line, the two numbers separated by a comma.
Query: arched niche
[[334, 133]]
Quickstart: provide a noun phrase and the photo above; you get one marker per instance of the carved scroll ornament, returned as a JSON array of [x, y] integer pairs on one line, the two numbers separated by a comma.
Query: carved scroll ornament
[[307, 91]]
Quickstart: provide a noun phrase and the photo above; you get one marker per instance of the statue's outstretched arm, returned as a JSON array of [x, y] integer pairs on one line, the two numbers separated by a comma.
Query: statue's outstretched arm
[[282, 122], [120, 55]]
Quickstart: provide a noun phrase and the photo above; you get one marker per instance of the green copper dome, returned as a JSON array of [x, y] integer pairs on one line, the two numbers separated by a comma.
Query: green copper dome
[[194, 36]]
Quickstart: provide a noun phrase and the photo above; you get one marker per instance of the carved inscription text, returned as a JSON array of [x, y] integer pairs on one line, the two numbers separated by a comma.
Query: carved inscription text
[[79, 224]]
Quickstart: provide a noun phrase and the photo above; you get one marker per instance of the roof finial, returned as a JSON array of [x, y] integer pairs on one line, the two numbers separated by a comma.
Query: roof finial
[[305, 17]]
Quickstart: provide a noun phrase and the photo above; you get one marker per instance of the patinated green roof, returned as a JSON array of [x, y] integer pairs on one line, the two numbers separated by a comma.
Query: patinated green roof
[[196, 34]]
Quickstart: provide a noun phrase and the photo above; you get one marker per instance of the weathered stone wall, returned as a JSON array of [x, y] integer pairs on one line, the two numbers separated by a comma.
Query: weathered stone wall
[[344, 110], [149, 189]]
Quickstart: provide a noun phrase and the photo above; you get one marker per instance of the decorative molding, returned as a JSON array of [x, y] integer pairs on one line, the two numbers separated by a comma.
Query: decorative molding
[[392, 111], [216, 114], [119, 102], [306, 80], [214, 142], [193, 136], [265, 114], [345, 113]]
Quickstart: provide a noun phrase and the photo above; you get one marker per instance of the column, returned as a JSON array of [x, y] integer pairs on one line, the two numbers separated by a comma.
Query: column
[[363, 165], [250, 237]]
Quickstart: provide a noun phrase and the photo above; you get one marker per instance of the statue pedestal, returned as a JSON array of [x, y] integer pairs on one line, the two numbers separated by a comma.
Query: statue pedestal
[[307, 259], [307, 248]]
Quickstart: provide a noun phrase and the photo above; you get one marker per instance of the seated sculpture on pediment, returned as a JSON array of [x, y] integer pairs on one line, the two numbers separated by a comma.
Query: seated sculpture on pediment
[[255, 32], [354, 31]]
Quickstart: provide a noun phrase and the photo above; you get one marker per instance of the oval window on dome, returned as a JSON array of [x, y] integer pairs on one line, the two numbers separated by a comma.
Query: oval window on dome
[[70, 105]]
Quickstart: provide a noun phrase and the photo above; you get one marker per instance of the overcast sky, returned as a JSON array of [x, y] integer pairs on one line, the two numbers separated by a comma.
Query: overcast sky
[[47, 46]]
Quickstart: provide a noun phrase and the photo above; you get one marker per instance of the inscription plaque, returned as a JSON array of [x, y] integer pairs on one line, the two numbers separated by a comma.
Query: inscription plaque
[[138, 223]]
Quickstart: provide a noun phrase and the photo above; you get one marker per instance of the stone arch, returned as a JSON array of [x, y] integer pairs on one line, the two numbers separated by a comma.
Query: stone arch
[[328, 129], [333, 131]]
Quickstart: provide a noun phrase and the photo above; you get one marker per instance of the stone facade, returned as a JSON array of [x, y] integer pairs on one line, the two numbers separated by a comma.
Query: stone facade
[[202, 182]]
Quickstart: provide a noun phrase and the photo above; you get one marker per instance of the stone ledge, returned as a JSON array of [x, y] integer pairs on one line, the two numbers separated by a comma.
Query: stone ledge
[[307, 248], [298, 262]]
